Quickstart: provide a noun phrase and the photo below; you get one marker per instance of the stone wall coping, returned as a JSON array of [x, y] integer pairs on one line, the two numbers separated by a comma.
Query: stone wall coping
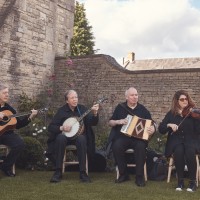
[[114, 64]]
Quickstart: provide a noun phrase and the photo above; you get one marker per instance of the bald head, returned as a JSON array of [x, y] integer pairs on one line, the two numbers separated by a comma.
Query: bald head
[[131, 97], [130, 90]]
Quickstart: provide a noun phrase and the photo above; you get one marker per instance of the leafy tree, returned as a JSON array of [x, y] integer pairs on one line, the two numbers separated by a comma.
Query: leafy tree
[[82, 42]]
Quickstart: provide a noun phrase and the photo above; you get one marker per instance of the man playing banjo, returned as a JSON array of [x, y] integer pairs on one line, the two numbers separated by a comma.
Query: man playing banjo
[[65, 123]]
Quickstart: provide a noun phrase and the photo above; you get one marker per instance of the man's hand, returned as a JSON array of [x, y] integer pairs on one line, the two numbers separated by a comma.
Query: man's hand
[[33, 114], [95, 109], [1, 115]]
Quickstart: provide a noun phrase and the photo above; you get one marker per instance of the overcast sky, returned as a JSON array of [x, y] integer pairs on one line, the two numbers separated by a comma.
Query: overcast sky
[[149, 28]]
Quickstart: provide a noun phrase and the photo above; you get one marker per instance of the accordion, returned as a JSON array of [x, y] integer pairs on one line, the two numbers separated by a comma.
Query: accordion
[[137, 127]]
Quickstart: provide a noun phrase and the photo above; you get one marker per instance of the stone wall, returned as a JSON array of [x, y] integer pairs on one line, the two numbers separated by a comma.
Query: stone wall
[[99, 75], [33, 34]]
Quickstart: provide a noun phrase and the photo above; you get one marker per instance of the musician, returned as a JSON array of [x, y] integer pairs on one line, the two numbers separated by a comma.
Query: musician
[[182, 138], [7, 136], [121, 142], [58, 141]]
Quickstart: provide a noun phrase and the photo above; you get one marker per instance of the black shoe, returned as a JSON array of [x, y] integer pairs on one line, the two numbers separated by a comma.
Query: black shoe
[[57, 176], [84, 177], [122, 178], [139, 181], [180, 185], [192, 186], [8, 173]]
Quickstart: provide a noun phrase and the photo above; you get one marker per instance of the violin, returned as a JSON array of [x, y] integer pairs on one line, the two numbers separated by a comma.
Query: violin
[[193, 112]]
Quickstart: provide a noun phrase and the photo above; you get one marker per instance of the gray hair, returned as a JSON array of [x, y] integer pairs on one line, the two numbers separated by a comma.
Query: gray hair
[[3, 86], [126, 92], [69, 92]]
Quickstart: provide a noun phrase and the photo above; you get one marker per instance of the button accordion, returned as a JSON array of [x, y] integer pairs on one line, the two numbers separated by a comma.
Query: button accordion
[[137, 127]]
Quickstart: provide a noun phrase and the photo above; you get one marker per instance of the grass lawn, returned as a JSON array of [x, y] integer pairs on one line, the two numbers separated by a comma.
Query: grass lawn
[[28, 185]]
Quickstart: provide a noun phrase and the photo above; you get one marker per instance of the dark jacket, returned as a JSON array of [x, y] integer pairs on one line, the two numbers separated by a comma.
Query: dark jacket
[[64, 113], [9, 125], [121, 112], [187, 133]]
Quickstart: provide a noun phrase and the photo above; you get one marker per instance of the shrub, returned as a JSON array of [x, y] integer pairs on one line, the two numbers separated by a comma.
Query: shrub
[[32, 156]]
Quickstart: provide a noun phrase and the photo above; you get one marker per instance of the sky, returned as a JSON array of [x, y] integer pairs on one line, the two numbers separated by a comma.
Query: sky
[[152, 29]]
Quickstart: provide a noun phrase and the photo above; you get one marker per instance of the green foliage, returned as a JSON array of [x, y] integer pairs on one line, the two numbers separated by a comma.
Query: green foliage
[[32, 156], [158, 142], [38, 127], [102, 134], [82, 42]]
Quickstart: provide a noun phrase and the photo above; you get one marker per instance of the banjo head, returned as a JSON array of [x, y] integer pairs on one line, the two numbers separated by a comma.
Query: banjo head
[[72, 121]]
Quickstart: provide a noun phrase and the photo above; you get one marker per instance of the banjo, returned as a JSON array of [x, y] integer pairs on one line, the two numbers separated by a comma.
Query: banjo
[[76, 123]]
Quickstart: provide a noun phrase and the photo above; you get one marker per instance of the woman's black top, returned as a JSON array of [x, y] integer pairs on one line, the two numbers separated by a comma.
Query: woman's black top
[[188, 132]]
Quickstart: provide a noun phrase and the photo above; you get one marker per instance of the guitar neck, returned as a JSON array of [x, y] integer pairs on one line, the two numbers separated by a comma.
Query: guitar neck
[[21, 114], [28, 113]]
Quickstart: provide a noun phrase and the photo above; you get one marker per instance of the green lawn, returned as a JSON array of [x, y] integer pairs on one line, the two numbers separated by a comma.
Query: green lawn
[[29, 185]]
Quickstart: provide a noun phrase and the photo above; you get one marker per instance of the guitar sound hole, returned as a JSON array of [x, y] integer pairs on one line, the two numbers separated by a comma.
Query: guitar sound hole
[[5, 119]]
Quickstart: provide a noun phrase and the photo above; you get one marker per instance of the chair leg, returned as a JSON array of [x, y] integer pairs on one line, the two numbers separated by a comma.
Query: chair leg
[[169, 169], [145, 172], [197, 172], [64, 159], [117, 170], [86, 164], [71, 163], [7, 152]]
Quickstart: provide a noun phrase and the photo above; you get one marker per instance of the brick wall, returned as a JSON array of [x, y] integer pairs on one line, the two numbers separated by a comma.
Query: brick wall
[[99, 75], [33, 34]]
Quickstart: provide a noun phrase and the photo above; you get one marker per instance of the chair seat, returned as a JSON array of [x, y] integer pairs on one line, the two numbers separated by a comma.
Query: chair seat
[[71, 148]]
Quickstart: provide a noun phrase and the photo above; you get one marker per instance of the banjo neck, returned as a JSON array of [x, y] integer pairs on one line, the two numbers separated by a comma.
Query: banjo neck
[[88, 111], [83, 115]]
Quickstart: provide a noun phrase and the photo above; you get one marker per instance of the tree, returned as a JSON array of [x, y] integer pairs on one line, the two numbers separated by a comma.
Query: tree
[[82, 42]]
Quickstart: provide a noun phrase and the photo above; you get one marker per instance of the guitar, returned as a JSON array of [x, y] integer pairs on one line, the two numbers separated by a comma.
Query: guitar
[[9, 121], [76, 123]]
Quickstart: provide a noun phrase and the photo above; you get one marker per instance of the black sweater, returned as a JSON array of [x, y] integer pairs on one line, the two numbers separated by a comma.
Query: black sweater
[[187, 133]]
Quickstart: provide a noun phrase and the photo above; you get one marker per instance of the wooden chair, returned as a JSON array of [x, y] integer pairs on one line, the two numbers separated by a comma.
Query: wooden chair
[[171, 167], [5, 150], [66, 161], [129, 151]]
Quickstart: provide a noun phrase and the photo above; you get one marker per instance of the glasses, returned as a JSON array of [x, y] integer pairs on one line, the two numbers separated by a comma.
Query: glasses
[[183, 99]]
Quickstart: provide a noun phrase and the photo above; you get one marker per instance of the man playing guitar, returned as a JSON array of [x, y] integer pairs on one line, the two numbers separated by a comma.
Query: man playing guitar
[[58, 138], [7, 135]]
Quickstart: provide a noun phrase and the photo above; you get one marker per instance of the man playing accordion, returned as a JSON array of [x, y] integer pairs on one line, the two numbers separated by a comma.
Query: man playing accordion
[[121, 142]]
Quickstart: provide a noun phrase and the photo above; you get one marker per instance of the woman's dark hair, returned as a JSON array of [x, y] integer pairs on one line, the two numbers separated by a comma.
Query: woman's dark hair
[[175, 105]]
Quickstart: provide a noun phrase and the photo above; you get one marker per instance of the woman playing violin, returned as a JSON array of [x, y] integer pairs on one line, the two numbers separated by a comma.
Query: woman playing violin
[[182, 138]]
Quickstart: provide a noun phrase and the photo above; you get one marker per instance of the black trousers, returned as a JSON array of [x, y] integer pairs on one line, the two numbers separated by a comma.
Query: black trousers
[[16, 145], [185, 155], [119, 147], [60, 145]]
